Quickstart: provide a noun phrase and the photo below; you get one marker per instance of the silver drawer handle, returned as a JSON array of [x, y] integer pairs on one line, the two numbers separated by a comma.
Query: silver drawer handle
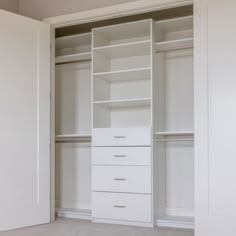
[[119, 155], [116, 206], [119, 179], [119, 136]]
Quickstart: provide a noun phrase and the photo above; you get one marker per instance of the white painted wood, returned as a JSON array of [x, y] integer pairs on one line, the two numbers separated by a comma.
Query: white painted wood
[[125, 75], [139, 136], [125, 9], [74, 214], [215, 87], [176, 222], [119, 206], [124, 102], [123, 222], [85, 56], [52, 126], [123, 179], [121, 156], [25, 122], [174, 45]]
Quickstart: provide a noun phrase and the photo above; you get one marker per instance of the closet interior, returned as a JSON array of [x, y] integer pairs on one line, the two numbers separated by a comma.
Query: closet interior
[[124, 134]]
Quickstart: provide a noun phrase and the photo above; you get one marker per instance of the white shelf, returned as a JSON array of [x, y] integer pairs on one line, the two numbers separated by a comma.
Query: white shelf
[[72, 41], [133, 49], [73, 138], [176, 133], [85, 56], [125, 75], [174, 45], [182, 222], [125, 102], [83, 214]]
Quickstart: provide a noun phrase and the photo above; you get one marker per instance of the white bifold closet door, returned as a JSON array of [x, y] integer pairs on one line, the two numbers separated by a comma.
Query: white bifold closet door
[[215, 117], [24, 122]]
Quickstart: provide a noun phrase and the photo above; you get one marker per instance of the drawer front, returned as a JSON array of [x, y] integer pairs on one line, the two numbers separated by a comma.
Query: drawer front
[[125, 179], [122, 137], [118, 206], [126, 156]]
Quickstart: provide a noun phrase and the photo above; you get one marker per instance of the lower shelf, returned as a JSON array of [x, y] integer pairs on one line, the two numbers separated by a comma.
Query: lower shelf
[[182, 222], [82, 214]]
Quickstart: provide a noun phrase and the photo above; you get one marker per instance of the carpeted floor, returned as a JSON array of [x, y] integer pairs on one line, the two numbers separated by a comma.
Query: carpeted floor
[[66, 227]]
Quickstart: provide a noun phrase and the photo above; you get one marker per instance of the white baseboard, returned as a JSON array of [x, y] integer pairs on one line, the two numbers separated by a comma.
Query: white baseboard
[[122, 222], [176, 222], [74, 214]]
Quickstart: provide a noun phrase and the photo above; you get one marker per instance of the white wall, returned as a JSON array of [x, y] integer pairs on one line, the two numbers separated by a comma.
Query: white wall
[[40, 9], [9, 5]]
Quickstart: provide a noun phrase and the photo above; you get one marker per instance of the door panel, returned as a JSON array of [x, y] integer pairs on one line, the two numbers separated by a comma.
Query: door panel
[[215, 96], [24, 122]]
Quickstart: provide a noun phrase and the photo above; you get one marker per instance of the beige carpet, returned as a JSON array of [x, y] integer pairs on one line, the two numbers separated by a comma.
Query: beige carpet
[[66, 227]]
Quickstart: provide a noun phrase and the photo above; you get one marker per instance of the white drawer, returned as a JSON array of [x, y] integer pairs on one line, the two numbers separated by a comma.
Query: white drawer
[[122, 137], [125, 179], [119, 206], [126, 156]]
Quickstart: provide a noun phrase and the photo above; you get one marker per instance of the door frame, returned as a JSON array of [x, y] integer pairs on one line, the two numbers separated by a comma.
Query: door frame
[[105, 13]]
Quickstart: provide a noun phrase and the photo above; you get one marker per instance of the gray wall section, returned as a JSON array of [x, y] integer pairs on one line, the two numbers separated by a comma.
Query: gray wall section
[[39, 9], [10, 5]]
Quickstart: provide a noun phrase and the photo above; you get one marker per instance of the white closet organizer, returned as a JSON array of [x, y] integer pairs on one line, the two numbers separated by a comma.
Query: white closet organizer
[[124, 124], [122, 121]]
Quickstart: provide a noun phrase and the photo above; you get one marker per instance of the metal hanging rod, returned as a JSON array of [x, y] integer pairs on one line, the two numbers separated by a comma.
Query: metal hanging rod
[[174, 139], [72, 62], [173, 49], [74, 139]]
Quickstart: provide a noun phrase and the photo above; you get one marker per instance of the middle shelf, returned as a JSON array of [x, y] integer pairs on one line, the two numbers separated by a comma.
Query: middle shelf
[[124, 102]]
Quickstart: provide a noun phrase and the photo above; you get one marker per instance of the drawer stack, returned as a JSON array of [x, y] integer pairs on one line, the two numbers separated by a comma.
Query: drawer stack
[[121, 175]]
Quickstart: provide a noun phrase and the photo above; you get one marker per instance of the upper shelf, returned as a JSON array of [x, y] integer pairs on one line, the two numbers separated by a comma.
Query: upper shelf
[[86, 56], [174, 29]]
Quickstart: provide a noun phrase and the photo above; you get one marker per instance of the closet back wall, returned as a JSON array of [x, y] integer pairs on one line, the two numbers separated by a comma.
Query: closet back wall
[[49, 8]]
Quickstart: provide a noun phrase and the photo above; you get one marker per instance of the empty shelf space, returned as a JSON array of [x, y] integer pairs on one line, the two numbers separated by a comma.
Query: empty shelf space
[[125, 75], [175, 24], [83, 214], [124, 102], [125, 50], [122, 33], [86, 56], [73, 138], [174, 45], [183, 222]]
